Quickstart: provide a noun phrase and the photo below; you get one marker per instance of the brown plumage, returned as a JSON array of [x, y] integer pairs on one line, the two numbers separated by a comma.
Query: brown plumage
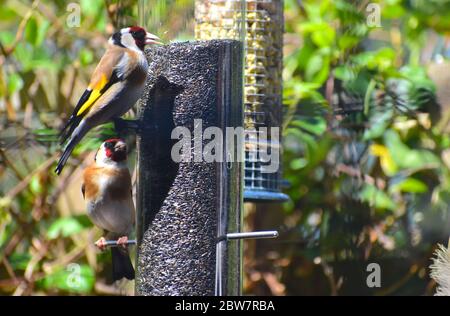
[[115, 86], [119, 177]]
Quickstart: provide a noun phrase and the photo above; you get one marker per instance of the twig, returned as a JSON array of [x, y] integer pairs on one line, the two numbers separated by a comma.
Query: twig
[[19, 34], [9, 268], [26, 181], [11, 165]]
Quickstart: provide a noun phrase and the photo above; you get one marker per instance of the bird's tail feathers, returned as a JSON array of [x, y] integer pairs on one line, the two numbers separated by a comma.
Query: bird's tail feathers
[[73, 141], [121, 264], [69, 127]]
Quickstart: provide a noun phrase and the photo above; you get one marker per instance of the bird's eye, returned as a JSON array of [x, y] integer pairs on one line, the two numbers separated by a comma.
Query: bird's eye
[[138, 34], [109, 145]]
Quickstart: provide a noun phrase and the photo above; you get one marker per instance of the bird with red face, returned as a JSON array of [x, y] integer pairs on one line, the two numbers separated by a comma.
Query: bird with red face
[[107, 191], [115, 86]]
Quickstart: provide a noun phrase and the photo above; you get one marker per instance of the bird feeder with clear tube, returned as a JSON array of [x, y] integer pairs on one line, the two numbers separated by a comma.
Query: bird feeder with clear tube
[[242, 39]]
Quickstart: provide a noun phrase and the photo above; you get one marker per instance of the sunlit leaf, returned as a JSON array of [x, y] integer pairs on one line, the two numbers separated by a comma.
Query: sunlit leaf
[[298, 163], [35, 184], [6, 38], [377, 198], [409, 185], [15, 83], [393, 11], [67, 226], [31, 31], [368, 96], [408, 158], [387, 163], [86, 56], [378, 125], [314, 125], [343, 73], [347, 41], [44, 26], [7, 14]]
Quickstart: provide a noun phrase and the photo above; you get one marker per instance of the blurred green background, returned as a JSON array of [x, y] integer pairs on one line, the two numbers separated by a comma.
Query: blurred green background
[[366, 148]]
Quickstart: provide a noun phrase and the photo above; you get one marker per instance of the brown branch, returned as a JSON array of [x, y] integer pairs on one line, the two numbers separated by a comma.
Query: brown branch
[[13, 242], [9, 268], [6, 51], [26, 181], [11, 165]]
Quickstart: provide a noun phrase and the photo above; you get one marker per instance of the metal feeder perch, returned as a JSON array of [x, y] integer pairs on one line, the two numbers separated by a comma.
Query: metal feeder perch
[[263, 42]]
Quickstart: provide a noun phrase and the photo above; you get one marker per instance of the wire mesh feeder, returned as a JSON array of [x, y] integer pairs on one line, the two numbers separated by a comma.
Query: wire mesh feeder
[[259, 24]]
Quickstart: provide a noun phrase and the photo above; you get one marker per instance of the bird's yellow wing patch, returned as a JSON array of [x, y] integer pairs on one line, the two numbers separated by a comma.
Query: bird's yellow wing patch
[[96, 93]]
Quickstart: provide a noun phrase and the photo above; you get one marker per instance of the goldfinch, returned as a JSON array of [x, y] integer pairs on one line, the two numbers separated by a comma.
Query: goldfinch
[[107, 191], [116, 84]]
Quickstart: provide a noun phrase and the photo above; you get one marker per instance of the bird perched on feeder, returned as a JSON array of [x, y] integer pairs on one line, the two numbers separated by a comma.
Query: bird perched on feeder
[[107, 191], [116, 84]]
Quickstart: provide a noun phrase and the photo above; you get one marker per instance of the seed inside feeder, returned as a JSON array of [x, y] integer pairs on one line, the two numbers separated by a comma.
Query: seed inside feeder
[[263, 31]]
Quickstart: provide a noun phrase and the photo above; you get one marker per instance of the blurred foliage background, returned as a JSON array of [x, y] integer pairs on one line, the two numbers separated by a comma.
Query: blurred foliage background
[[366, 149]]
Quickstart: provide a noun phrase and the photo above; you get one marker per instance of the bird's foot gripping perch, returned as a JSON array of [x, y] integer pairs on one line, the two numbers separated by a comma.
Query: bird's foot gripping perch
[[122, 241], [101, 243]]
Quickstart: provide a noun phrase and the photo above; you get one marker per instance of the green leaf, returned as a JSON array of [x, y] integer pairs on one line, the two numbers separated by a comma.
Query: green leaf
[[378, 125], [35, 184], [7, 13], [359, 82], [393, 11], [322, 34], [31, 31], [409, 185], [91, 8], [377, 198], [405, 157], [46, 134], [418, 77], [86, 56], [6, 38], [74, 278], [381, 60], [19, 260], [67, 226], [344, 73], [15, 83], [313, 125], [44, 25], [324, 37], [347, 41], [314, 66], [318, 69], [368, 96], [298, 163]]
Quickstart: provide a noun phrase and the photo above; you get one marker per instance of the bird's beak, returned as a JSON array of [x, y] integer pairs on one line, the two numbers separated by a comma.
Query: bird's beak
[[120, 147], [152, 39]]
